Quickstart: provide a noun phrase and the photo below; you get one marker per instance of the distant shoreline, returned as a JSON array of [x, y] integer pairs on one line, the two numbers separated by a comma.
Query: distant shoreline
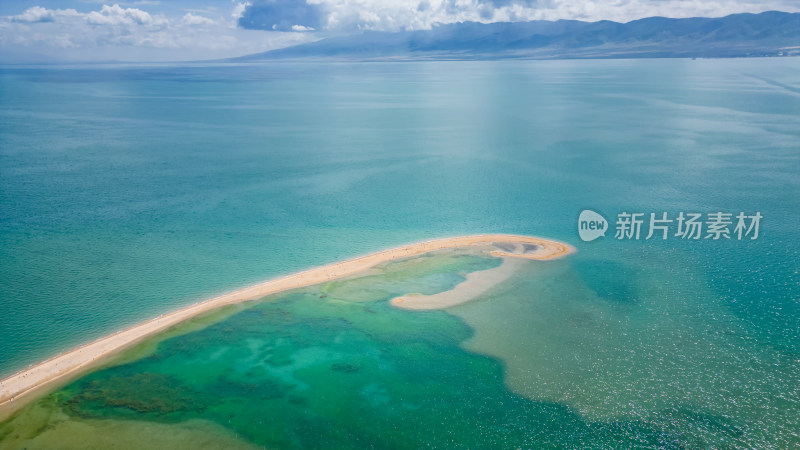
[[768, 33], [22, 385]]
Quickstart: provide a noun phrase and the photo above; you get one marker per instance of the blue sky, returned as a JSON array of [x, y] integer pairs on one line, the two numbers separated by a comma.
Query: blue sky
[[161, 30]]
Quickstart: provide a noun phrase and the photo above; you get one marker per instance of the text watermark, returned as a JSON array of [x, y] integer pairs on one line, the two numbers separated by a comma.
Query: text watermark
[[684, 225]]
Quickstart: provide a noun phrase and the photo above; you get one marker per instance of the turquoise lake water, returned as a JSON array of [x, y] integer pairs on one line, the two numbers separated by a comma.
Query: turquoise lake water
[[129, 191]]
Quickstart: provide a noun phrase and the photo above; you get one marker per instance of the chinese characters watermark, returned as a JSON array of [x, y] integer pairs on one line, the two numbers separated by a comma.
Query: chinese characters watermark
[[685, 225]]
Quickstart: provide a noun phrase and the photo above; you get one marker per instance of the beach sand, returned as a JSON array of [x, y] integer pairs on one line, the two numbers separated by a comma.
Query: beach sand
[[475, 285], [46, 375], [512, 251]]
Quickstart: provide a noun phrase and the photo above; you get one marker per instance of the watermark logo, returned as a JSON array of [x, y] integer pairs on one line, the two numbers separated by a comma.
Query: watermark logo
[[685, 225], [591, 225]]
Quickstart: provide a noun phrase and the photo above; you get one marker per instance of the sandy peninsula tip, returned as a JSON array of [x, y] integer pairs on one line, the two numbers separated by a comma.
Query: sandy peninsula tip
[[513, 249]]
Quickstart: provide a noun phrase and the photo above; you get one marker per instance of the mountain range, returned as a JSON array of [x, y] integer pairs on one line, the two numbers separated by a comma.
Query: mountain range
[[772, 33]]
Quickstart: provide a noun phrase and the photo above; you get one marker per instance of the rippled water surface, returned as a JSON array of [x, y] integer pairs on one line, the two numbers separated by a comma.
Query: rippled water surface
[[126, 192]]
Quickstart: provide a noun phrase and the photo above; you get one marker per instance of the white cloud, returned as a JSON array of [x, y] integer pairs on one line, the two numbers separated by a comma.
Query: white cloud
[[117, 15], [117, 32], [238, 10], [127, 3], [37, 14], [395, 15], [193, 19], [113, 32]]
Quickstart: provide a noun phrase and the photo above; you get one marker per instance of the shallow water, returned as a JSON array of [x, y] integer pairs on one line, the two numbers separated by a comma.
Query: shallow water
[[314, 369], [126, 192], [651, 348], [335, 365]]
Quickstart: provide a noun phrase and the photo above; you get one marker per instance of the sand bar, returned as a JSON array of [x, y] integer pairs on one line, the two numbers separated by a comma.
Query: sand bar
[[28, 381], [475, 285]]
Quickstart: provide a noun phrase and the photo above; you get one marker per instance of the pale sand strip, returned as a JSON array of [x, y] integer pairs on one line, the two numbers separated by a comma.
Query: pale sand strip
[[475, 285], [41, 375]]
